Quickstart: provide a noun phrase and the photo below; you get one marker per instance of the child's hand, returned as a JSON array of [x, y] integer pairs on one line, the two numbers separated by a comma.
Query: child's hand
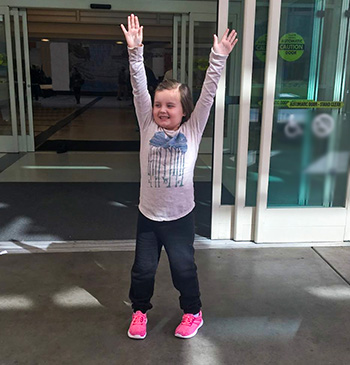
[[227, 43], [134, 34]]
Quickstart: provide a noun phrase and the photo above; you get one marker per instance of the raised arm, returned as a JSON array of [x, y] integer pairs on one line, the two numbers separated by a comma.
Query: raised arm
[[220, 51], [142, 98]]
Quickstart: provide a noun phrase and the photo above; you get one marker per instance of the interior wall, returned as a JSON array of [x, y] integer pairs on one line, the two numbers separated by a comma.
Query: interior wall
[[79, 24]]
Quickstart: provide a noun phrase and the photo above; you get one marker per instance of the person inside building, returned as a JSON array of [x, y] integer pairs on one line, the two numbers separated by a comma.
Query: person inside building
[[76, 82]]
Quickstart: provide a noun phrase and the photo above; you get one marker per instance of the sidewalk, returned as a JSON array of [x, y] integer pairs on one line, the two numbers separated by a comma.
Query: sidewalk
[[260, 306]]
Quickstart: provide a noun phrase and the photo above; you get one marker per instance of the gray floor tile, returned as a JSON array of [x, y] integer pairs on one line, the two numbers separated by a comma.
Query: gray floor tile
[[337, 257]]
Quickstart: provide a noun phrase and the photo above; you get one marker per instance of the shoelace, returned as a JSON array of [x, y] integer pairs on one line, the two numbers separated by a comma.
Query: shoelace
[[187, 320], [138, 319]]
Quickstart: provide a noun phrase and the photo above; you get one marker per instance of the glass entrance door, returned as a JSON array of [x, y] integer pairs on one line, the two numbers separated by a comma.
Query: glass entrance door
[[304, 148], [192, 42], [16, 117], [8, 120]]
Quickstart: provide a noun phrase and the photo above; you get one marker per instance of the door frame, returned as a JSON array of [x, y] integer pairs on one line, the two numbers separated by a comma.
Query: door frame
[[23, 141], [234, 221], [9, 143]]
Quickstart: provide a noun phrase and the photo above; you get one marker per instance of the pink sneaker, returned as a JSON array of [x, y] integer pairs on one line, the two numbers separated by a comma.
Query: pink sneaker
[[137, 329], [189, 325]]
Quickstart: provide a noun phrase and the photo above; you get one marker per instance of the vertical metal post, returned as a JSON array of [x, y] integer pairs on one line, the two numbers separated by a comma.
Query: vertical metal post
[[9, 54], [190, 51], [267, 114], [175, 45], [244, 116], [23, 137], [343, 93], [220, 225], [347, 206], [30, 139], [184, 18]]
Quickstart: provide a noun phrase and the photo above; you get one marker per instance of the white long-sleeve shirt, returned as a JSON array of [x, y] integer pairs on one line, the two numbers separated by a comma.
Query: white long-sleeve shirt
[[167, 157]]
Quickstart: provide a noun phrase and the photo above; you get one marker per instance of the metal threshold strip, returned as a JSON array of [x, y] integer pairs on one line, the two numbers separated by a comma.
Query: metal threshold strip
[[17, 247]]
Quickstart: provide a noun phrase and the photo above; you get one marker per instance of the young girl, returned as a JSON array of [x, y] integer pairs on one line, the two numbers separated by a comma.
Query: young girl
[[171, 131]]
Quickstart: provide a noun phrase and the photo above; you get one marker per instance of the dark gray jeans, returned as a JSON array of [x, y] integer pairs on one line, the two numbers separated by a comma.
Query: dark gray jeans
[[177, 237]]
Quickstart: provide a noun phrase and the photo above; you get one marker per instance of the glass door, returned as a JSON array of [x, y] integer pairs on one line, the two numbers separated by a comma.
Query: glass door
[[8, 119], [303, 192], [16, 117], [192, 42], [201, 30], [22, 80]]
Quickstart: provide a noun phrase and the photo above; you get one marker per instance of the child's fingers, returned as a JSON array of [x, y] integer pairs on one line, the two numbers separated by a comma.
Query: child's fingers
[[141, 32], [129, 22], [215, 40], [132, 19], [123, 29], [225, 34], [137, 24], [231, 37]]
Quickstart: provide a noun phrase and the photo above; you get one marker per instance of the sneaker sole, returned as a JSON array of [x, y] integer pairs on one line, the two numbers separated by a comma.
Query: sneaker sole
[[192, 334], [136, 337]]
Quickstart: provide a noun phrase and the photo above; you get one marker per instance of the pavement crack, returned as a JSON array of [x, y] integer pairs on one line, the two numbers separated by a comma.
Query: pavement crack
[[331, 266]]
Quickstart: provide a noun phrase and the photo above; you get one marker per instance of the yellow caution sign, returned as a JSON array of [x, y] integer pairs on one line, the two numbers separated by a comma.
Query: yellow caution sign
[[306, 104], [282, 103], [311, 104]]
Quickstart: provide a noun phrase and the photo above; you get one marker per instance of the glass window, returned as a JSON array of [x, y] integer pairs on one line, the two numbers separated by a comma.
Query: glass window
[[309, 152]]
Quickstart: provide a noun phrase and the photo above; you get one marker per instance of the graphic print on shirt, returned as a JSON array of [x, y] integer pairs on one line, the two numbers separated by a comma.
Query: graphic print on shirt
[[166, 160]]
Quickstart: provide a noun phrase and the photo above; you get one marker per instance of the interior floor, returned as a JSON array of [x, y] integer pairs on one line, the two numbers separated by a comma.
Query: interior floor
[[81, 196]]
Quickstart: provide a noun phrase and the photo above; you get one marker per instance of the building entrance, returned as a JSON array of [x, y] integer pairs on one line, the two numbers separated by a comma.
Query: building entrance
[[279, 155], [288, 178]]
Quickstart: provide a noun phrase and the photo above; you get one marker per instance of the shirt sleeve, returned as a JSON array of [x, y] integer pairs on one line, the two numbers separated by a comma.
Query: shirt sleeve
[[142, 98], [200, 114]]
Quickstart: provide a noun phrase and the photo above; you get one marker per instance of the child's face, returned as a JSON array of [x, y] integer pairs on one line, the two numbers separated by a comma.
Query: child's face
[[167, 109]]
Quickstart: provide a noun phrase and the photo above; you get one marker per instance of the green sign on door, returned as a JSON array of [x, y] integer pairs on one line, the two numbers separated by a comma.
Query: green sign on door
[[291, 47]]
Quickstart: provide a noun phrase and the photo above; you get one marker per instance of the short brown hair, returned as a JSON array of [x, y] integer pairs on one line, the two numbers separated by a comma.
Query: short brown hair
[[185, 95]]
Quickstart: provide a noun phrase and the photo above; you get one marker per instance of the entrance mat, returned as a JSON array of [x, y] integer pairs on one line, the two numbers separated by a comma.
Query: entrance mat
[[80, 211], [62, 146]]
